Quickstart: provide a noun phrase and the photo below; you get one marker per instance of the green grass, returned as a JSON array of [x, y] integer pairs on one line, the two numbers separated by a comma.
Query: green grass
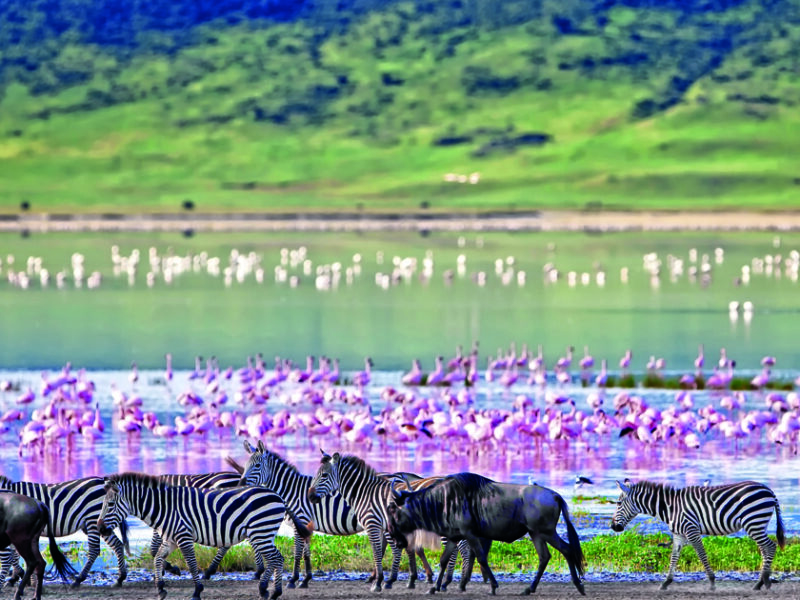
[[625, 552], [189, 133]]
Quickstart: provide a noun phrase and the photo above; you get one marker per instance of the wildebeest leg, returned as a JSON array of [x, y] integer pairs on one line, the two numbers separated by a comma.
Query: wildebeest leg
[[425, 565], [33, 560], [448, 551], [412, 566], [544, 557], [556, 542], [307, 561], [477, 547]]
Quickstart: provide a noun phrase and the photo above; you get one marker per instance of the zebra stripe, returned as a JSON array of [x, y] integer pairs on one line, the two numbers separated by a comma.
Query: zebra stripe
[[185, 515], [74, 506], [695, 511], [369, 495], [218, 480], [332, 515]]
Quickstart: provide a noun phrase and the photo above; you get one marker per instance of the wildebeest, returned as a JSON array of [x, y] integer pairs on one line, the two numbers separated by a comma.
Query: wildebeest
[[22, 521], [466, 506]]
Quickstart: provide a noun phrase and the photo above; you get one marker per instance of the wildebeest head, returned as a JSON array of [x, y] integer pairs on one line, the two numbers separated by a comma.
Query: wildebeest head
[[255, 472], [326, 480], [626, 507], [115, 509], [400, 522]]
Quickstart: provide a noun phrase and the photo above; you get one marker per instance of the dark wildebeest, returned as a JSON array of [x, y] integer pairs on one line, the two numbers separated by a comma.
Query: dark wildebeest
[[22, 521], [466, 506]]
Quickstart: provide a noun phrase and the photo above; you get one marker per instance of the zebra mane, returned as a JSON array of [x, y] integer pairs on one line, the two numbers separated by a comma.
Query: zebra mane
[[358, 463], [274, 456], [138, 479], [5, 480], [651, 486]]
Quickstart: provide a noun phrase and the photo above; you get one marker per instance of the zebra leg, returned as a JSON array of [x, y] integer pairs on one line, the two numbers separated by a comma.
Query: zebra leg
[[212, 568], [13, 564], [307, 561], [696, 540], [467, 562], [677, 543], [7, 558], [397, 556], [451, 567], [265, 547], [92, 552], [259, 566], [299, 548], [155, 545], [119, 550], [186, 544], [767, 548], [377, 539], [158, 566]]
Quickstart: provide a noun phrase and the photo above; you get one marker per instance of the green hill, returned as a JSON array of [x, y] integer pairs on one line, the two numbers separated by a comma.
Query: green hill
[[383, 106]]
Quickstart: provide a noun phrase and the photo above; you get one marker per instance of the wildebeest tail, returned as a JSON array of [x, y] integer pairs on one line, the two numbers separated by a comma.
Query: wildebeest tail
[[63, 567], [235, 465], [780, 534], [304, 530], [575, 552]]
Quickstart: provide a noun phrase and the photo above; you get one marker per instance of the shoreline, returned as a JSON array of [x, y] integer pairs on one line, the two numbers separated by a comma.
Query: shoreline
[[535, 221]]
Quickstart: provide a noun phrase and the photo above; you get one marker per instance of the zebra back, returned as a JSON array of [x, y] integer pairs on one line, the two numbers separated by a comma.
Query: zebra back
[[269, 469], [72, 504], [217, 480]]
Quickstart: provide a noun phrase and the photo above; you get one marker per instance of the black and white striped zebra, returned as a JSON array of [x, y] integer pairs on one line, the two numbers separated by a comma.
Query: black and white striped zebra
[[368, 493], [185, 515], [332, 515], [219, 480], [695, 511], [74, 506]]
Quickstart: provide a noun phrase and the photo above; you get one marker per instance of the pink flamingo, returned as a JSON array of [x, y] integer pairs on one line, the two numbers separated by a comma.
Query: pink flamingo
[[602, 378], [414, 376], [436, 377], [699, 361], [362, 378], [625, 361]]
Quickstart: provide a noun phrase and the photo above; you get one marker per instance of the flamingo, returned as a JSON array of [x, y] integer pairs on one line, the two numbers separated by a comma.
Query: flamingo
[[699, 361], [625, 361], [362, 378], [436, 377], [414, 376], [602, 378]]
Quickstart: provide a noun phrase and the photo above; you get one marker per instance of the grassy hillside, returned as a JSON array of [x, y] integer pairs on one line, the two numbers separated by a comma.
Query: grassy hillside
[[555, 104]]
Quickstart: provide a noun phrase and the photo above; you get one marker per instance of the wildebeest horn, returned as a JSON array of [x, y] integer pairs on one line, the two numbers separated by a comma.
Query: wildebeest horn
[[399, 495]]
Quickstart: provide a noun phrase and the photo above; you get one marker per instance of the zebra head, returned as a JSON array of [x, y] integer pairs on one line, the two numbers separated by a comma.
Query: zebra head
[[626, 509], [326, 480], [115, 509], [258, 468]]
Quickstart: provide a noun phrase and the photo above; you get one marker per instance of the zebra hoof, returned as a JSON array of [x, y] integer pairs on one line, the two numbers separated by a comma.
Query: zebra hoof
[[431, 591], [76, 583], [303, 584], [162, 594], [290, 584]]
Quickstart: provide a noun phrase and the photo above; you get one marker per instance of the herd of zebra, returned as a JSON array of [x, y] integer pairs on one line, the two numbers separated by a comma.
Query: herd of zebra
[[347, 496]]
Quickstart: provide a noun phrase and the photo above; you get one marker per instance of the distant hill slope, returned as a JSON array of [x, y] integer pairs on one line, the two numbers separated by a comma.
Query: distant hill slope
[[383, 105]]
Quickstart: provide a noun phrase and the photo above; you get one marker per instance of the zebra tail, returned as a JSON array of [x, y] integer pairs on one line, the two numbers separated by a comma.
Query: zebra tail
[[235, 465], [575, 551], [780, 534], [304, 531], [63, 567]]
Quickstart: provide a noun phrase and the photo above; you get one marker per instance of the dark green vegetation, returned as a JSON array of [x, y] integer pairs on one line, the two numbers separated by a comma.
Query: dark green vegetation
[[287, 105], [626, 552]]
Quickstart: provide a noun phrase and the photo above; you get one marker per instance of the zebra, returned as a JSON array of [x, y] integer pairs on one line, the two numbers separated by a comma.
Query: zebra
[[219, 480], [694, 511], [74, 506], [185, 515], [332, 515], [369, 494]]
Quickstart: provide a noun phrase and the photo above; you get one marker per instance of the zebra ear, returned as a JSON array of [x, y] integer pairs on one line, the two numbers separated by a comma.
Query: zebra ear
[[624, 488], [336, 456], [261, 447], [247, 447]]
